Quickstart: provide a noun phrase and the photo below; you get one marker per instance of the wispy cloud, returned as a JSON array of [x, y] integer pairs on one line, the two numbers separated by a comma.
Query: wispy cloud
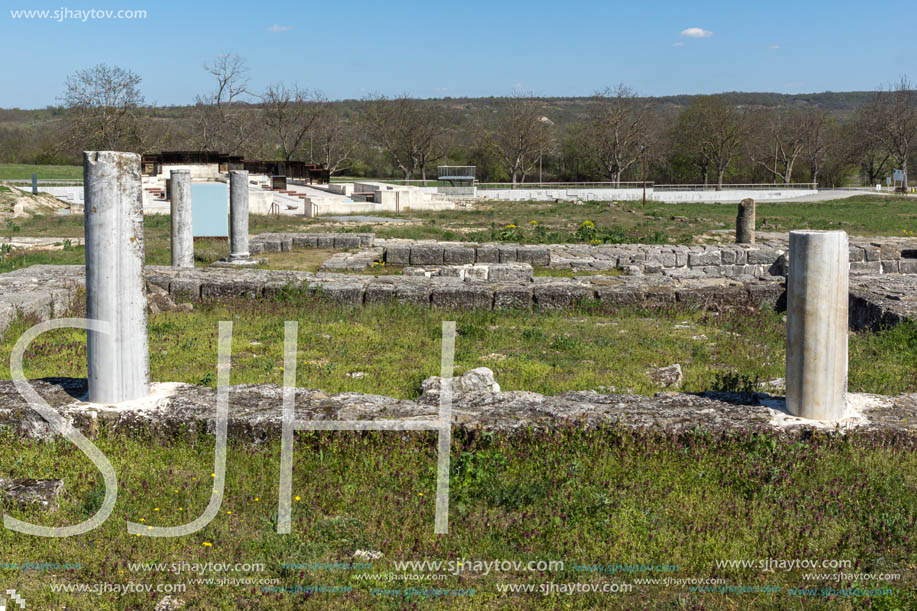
[[278, 28], [773, 47], [678, 44], [696, 33]]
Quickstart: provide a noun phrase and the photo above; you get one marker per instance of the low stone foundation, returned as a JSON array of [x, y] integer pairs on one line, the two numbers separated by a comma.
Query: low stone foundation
[[255, 412]]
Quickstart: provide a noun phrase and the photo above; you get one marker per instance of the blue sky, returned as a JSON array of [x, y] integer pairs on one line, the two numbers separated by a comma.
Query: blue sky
[[571, 48]]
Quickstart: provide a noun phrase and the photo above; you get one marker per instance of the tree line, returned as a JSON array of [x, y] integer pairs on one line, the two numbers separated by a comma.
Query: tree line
[[614, 135]]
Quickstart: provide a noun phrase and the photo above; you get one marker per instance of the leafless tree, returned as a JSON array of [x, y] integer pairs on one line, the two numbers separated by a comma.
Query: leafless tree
[[289, 114], [333, 140], [410, 131], [891, 122], [616, 134], [105, 105], [522, 136], [819, 138], [712, 131], [221, 123], [777, 141]]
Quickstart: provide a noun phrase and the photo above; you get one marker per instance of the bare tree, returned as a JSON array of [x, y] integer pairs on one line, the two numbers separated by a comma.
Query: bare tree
[[522, 136], [617, 130], [104, 104], [289, 114], [333, 140], [819, 138], [713, 131], [778, 142], [410, 131], [892, 122], [220, 121]]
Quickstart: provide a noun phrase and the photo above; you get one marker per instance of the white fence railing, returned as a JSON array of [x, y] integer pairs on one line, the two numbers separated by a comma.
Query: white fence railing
[[735, 187]]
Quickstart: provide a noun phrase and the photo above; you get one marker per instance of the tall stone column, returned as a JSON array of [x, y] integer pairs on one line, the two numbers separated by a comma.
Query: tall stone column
[[118, 363], [745, 222], [238, 215], [182, 235], [816, 325]]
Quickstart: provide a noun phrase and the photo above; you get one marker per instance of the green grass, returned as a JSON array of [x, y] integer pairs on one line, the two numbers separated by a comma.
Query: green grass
[[21, 171], [581, 497], [398, 346]]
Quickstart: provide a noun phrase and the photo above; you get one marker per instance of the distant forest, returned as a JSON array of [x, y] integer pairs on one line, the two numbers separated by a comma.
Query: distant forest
[[833, 138]]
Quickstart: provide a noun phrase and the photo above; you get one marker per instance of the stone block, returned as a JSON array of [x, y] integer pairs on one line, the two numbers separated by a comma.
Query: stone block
[[619, 296], [856, 254], [187, 288], [426, 254], [346, 241], [414, 294], [866, 267], [271, 245], [766, 294], [325, 241], [907, 266], [486, 254], [889, 267], [561, 295], [534, 256], [762, 256], [873, 253], [344, 293], [305, 240], [458, 255], [512, 297], [255, 248], [510, 272], [398, 255], [378, 292], [658, 297], [508, 254], [229, 289], [705, 258], [463, 297]]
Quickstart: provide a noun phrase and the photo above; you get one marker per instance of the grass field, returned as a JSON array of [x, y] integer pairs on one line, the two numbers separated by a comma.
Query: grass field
[[20, 171], [579, 497]]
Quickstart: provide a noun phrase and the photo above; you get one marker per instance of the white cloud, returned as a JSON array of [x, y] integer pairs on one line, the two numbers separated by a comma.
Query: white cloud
[[773, 47], [278, 28], [678, 44], [696, 33]]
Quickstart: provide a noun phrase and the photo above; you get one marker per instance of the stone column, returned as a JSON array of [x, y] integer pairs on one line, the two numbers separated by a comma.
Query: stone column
[[816, 324], [745, 222], [182, 236], [119, 366], [238, 215]]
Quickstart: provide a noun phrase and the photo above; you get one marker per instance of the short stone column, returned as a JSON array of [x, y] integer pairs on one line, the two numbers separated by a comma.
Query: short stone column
[[816, 325], [745, 222], [118, 361], [238, 215], [182, 234]]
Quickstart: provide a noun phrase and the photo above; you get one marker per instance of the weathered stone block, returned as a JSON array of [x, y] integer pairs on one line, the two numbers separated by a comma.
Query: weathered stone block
[[230, 290], [534, 256], [508, 254], [416, 294], [324, 241], [305, 240], [271, 245], [705, 258], [510, 272], [186, 288], [255, 248], [762, 256], [346, 241], [856, 254], [889, 267], [398, 255], [866, 267], [907, 266], [377, 292], [658, 298], [463, 297], [512, 297], [617, 296], [873, 253], [486, 254], [560, 296], [426, 254], [349, 294], [458, 255]]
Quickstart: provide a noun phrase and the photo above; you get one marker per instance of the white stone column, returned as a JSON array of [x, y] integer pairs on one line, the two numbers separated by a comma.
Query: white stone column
[[238, 215], [816, 324], [118, 363], [182, 236]]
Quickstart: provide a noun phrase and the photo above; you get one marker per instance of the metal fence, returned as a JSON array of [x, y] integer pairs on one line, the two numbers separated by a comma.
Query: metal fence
[[52, 182], [563, 185]]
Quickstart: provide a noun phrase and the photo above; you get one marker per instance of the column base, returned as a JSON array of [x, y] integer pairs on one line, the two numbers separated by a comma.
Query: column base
[[238, 262]]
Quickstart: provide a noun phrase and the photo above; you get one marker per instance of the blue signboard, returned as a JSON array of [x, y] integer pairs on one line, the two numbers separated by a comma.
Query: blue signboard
[[210, 209]]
